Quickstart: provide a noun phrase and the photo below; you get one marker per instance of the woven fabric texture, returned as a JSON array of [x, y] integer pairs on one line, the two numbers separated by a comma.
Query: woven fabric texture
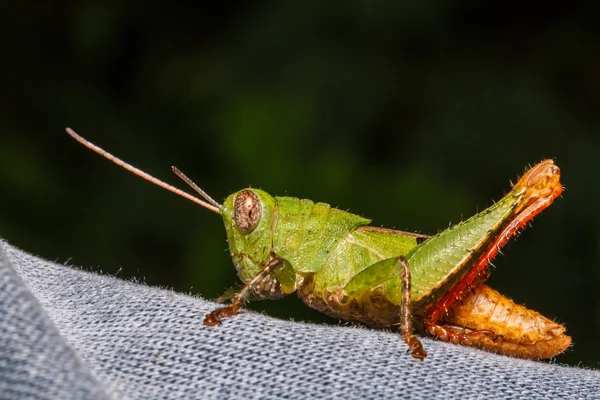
[[70, 334]]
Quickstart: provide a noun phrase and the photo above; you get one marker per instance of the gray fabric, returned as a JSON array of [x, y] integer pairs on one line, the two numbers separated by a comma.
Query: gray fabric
[[66, 333]]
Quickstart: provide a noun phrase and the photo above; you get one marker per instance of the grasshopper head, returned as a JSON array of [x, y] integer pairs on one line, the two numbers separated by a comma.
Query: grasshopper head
[[248, 216]]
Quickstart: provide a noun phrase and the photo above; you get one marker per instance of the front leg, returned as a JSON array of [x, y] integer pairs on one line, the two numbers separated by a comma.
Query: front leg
[[214, 317], [379, 273]]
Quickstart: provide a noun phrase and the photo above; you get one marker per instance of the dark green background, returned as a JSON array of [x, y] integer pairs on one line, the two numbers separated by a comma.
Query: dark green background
[[414, 114]]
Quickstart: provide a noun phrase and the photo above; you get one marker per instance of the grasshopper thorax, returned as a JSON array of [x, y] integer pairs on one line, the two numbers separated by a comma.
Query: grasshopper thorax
[[249, 218]]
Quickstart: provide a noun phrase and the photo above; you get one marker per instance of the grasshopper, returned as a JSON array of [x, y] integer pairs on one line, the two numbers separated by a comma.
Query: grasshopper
[[340, 265]]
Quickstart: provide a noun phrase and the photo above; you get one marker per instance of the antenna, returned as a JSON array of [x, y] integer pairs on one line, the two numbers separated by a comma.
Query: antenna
[[213, 206], [195, 187]]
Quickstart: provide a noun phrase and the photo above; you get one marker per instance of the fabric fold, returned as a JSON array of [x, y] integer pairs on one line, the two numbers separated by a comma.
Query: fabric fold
[[35, 360]]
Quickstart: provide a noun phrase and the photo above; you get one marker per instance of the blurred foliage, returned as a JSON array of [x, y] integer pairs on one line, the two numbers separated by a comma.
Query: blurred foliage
[[414, 114]]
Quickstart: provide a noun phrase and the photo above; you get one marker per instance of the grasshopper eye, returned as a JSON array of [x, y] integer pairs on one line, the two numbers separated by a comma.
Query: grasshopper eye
[[247, 211]]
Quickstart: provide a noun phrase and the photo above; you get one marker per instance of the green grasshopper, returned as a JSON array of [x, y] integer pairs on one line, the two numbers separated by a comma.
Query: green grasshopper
[[340, 265]]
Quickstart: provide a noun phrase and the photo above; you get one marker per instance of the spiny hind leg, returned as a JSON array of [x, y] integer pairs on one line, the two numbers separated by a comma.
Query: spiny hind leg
[[214, 317], [379, 273]]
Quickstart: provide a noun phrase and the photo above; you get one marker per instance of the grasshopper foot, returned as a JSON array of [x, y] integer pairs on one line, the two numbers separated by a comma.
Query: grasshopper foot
[[458, 335], [415, 348], [214, 317]]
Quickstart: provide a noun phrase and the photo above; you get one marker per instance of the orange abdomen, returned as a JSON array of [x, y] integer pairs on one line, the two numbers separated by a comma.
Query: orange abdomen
[[520, 332]]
